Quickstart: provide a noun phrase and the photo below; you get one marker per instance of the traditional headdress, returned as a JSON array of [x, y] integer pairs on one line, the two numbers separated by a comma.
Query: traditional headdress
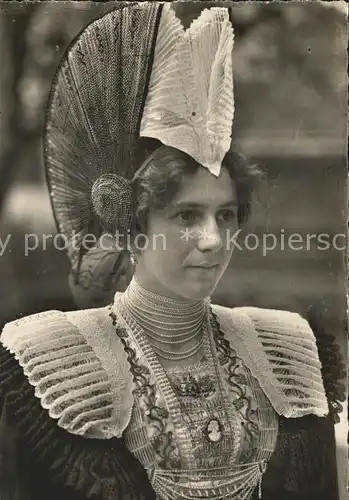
[[190, 103], [135, 72]]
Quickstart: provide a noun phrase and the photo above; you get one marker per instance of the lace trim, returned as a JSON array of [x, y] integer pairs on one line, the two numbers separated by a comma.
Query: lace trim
[[201, 365], [82, 377], [280, 350], [75, 369], [102, 469], [155, 412]]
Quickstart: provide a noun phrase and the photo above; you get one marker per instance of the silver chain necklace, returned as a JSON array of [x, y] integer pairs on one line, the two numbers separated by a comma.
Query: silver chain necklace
[[154, 312], [179, 356]]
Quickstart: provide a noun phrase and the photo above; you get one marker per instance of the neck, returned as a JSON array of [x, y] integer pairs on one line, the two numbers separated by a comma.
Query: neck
[[171, 324]]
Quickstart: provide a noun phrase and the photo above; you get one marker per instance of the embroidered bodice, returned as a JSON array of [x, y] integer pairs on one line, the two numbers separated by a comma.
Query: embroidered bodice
[[204, 414], [99, 379], [206, 430]]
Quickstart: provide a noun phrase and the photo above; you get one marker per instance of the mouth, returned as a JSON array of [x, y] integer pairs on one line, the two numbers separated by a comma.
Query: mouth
[[205, 266]]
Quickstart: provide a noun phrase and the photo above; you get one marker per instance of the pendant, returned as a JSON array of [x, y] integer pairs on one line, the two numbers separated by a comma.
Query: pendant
[[188, 385], [213, 430]]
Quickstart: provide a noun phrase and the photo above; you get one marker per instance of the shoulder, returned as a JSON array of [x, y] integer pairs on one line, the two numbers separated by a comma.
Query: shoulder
[[76, 364], [280, 349], [271, 322], [49, 334], [286, 333], [46, 330], [289, 324]]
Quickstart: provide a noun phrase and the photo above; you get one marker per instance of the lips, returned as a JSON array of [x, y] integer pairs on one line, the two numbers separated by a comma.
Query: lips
[[205, 265]]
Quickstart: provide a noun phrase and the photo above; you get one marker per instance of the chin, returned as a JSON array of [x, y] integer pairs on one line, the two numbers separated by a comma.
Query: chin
[[197, 292]]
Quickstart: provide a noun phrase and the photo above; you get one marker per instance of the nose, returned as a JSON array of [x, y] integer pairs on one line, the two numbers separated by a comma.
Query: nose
[[209, 237]]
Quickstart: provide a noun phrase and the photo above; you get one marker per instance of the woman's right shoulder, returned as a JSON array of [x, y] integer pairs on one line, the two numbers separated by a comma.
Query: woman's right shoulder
[[32, 329], [55, 389], [39, 325], [41, 335], [54, 329], [24, 339], [72, 359]]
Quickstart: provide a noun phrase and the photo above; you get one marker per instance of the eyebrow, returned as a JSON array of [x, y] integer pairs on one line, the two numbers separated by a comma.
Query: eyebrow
[[184, 204]]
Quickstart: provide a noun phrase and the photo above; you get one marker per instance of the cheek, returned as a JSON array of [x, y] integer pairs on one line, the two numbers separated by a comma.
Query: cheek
[[230, 239], [173, 244], [176, 254], [168, 255]]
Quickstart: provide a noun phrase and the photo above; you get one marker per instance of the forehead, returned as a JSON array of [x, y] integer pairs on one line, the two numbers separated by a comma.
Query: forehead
[[205, 188]]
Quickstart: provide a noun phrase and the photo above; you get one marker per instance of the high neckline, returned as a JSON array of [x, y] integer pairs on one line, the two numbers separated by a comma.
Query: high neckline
[[135, 289], [169, 323]]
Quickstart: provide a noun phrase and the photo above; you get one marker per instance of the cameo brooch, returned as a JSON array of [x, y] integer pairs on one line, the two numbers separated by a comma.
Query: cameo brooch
[[213, 430]]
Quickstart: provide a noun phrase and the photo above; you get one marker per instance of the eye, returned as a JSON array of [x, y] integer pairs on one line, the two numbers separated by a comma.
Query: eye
[[188, 216], [226, 215]]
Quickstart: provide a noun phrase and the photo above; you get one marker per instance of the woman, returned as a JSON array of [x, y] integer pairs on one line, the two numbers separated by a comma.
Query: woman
[[161, 394]]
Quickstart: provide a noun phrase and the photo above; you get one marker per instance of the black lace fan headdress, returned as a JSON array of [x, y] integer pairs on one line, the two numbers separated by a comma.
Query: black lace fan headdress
[[93, 120], [135, 72]]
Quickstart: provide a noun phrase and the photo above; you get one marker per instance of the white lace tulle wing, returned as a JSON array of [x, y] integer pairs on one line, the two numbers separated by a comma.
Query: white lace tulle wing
[[190, 101]]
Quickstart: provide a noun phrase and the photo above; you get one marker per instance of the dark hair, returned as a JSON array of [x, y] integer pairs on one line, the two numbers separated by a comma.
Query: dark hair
[[161, 180], [157, 184]]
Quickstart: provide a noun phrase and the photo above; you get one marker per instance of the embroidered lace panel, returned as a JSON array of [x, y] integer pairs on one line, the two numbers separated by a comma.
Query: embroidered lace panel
[[216, 441]]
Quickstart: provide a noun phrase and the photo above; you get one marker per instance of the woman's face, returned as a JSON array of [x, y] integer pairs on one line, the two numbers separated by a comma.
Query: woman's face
[[188, 246]]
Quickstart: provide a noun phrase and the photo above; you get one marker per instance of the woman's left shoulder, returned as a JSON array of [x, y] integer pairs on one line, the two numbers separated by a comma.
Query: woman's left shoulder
[[280, 349], [282, 328], [288, 326]]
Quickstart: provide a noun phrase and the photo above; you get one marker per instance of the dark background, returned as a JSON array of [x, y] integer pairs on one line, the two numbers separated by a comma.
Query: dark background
[[291, 117]]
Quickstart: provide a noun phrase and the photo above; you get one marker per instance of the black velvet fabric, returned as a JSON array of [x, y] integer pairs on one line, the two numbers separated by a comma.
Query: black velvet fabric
[[303, 466], [39, 460]]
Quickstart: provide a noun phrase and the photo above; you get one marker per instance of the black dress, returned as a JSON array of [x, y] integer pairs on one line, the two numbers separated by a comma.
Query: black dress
[[39, 460]]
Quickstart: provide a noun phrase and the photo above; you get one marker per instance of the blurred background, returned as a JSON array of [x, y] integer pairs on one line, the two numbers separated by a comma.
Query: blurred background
[[290, 70]]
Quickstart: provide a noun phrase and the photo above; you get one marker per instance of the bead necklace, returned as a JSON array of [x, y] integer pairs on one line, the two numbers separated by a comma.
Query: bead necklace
[[178, 356], [144, 315], [168, 339], [161, 352], [153, 313], [176, 307]]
